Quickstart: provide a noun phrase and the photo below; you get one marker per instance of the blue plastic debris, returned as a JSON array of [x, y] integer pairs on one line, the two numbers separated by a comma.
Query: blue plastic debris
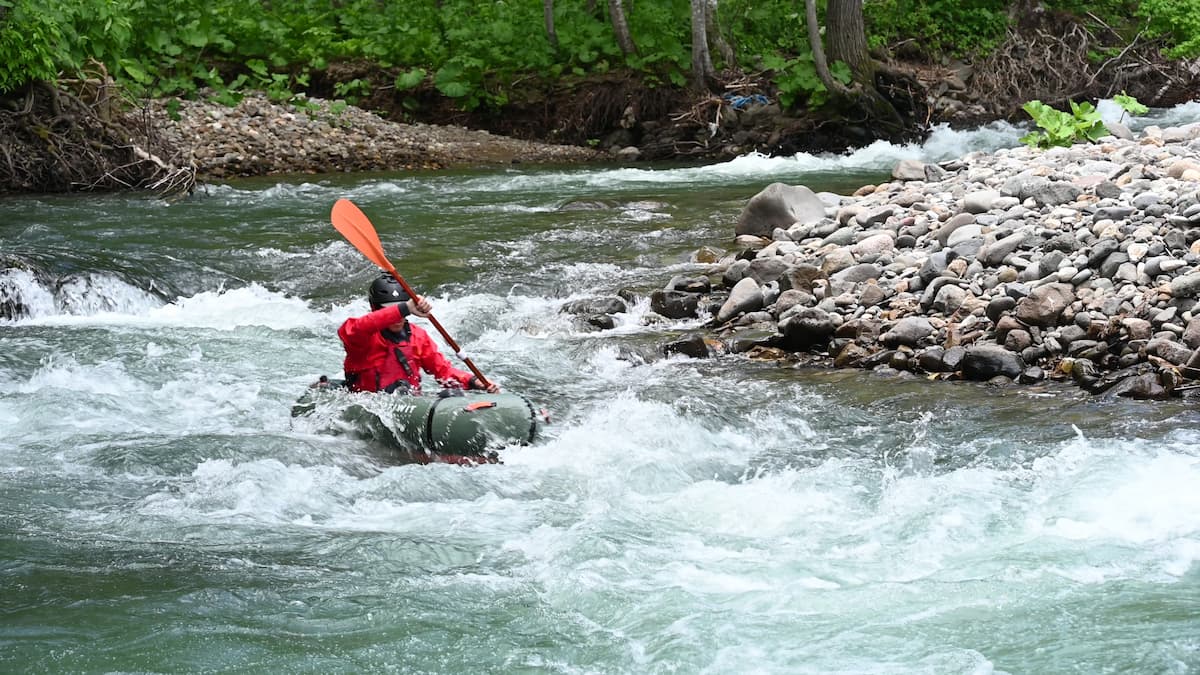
[[743, 102]]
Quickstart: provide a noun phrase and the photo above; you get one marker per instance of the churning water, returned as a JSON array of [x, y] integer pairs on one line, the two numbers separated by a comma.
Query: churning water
[[160, 510]]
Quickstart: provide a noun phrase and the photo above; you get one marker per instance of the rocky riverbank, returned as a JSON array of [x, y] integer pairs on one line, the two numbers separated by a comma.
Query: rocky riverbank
[[258, 137], [1078, 263], [1025, 265]]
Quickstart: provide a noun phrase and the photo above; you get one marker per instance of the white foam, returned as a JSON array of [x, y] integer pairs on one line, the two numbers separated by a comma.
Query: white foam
[[20, 287], [251, 305]]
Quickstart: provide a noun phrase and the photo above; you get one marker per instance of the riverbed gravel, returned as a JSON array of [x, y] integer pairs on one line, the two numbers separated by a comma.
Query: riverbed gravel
[[261, 137]]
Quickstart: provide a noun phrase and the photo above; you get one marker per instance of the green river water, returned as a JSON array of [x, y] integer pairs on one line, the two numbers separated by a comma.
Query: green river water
[[161, 511]]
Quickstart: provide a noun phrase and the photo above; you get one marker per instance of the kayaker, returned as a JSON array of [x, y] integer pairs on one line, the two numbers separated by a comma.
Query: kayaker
[[384, 352]]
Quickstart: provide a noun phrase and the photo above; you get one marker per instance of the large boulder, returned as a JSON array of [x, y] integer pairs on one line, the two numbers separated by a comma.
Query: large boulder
[[1045, 304], [593, 313], [602, 305], [806, 328], [779, 205], [982, 363]]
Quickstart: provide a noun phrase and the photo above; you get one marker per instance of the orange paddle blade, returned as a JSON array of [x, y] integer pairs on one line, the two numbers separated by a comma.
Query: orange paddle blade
[[353, 224]]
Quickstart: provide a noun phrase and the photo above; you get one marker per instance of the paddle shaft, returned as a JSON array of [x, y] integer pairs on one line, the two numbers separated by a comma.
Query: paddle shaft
[[353, 224]]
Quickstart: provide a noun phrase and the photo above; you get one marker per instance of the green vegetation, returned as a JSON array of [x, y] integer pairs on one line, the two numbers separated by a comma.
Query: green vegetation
[[1179, 19], [1063, 129], [473, 50], [39, 39], [942, 26], [783, 51], [1082, 124]]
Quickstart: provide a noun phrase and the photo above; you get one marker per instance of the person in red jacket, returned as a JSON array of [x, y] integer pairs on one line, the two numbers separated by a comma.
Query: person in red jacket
[[384, 352]]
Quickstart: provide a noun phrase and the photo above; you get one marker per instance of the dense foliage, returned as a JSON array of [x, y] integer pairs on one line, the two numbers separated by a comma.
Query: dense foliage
[[39, 39], [957, 28], [1178, 18], [472, 50]]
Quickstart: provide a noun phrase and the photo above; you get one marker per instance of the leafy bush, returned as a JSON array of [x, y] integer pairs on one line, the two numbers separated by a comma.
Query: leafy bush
[[1083, 123], [469, 49], [1179, 19], [959, 27], [1130, 105], [772, 35], [761, 28], [1063, 129], [41, 38]]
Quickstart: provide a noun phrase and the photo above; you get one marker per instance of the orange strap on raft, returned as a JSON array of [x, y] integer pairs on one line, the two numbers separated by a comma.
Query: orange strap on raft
[[480, 405]]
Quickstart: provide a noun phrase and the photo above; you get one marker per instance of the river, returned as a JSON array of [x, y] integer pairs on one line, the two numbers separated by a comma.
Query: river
[[161, 511]]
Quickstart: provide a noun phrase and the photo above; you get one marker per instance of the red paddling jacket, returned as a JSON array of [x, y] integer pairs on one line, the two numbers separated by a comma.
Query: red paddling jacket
[[378, 359]]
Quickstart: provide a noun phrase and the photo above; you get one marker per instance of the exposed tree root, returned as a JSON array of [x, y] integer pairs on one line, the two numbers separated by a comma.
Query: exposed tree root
[[590, 110], [76, 138], [1055, 64]]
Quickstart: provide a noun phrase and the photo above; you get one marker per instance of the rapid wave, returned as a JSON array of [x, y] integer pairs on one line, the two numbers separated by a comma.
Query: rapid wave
[[698, 515], [30, 296]]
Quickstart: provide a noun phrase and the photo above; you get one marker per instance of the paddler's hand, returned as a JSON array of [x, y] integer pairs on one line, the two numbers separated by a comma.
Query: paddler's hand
[[491, 388], [422, 309]]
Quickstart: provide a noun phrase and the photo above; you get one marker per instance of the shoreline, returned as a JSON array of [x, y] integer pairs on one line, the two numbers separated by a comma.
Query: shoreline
[[261, 138], [1078, 264], [1023, 265]]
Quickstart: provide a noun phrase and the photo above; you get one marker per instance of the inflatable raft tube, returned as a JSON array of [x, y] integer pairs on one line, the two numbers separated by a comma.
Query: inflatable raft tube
[[464, 427]]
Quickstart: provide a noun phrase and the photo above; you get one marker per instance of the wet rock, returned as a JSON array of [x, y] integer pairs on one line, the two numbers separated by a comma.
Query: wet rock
[[746, 296], [694, 346], [17, 276], [600, 321], [982, 363], [779, 205], [851, 355], [999, 306], [689, 284], [1032, 375], [751, 338], [953, 358], [806, 328], [675, 304], [595, 306]]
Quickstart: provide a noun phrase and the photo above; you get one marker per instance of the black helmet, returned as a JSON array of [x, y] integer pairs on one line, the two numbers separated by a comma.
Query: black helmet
[[386, 291]]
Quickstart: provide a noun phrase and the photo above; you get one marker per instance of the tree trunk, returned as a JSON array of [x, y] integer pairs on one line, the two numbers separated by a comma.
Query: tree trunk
[[818, 50], [702, 68], [863, 90], [847, 37], [728, 56], [617, 14], [548, 15]]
